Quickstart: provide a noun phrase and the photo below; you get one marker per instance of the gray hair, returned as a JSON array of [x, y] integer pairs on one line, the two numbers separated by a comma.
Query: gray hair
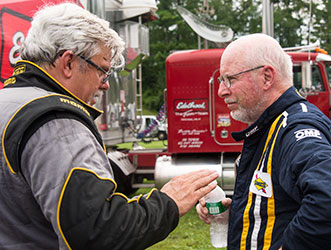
[[57, 28], [261, 49]]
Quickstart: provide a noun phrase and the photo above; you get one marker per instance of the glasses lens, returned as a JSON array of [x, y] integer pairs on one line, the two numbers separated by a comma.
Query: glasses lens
[[106, 79], [108, 75], [225, 80]]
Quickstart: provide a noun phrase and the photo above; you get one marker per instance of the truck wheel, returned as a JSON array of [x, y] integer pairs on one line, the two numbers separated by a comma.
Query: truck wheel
[[123, 181], [162, 136]]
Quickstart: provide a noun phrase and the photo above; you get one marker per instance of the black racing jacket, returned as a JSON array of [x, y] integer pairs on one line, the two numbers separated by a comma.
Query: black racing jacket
[[56, 178], [282, 192]]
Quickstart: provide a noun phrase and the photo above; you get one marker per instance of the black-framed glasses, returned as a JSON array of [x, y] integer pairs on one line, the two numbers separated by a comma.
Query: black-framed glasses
[[227, 79], [107, 74]]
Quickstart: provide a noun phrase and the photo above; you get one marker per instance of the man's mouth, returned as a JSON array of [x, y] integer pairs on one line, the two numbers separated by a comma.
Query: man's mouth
[[96, 97], [231, 103]]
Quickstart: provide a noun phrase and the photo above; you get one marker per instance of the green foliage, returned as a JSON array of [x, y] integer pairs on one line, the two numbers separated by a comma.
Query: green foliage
[[287, 26], [153, 98], [322, 25], [170, 32], [149, 112], [150, 144], [242, 17]]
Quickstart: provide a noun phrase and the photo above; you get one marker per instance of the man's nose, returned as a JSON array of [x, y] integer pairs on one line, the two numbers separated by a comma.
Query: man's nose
[[104, 86], [223, 90]]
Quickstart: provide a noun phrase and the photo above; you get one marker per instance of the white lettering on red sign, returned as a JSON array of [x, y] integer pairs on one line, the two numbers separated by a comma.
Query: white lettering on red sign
[[190, 143], [191, 105]]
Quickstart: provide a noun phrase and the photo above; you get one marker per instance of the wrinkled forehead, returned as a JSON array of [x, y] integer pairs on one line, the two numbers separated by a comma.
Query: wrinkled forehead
[[231, 60]]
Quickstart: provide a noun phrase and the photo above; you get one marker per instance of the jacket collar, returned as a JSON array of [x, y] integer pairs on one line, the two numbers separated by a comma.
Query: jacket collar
[[289, 97], [28, 74]]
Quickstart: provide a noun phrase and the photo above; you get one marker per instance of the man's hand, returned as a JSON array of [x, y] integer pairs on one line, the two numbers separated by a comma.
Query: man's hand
[[187, 189], [203, 211]]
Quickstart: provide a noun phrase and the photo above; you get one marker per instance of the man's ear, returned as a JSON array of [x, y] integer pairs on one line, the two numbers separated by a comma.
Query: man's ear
[[66, 63], [269, 75]]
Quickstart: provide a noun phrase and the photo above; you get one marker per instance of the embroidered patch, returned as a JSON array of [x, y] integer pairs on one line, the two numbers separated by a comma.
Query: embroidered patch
[[252, 131], [261, 184], [19, 70], [223, 120], [309, 132]]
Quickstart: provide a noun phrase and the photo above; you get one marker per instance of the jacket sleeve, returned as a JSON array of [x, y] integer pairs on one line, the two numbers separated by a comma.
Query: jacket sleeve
[[91, 216], [305, 174], [71, 178]]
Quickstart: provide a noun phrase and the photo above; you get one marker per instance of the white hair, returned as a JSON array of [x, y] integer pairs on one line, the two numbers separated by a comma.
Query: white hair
[[261, 49], [66, 26]]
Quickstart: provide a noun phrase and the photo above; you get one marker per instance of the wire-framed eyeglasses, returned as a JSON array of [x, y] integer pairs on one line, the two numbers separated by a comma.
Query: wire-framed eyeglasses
[[107, 74], [227, 79]]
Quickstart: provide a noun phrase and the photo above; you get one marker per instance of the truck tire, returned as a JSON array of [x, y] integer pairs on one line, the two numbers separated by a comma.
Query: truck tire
[[162, 135], [123, 181]]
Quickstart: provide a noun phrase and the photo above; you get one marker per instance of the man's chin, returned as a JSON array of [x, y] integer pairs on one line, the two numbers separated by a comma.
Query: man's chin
[[239, 116], [96, 98], [92, 102]]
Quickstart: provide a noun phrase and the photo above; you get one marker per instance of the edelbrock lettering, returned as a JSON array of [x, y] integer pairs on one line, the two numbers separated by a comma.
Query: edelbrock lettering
[[190, 105], [309, 132]]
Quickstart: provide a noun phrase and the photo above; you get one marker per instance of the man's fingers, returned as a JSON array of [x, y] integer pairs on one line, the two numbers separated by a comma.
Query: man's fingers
[[202, 182], [201, 192], [203, 213], [202, 201], [200, 176], [204, 178], [227, 202], [187, 189]]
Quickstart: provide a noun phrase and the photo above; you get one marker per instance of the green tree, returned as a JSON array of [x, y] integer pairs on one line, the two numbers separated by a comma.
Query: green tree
[[287, 24], [292, 20], [322, 24], [164, 40]]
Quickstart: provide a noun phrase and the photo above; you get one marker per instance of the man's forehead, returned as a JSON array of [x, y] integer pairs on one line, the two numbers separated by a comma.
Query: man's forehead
[[105, 51], [231, 60], [228, 66]]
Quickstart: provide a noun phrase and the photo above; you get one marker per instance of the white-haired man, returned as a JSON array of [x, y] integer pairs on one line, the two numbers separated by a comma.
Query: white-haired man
[[282, 191], [57, 187]]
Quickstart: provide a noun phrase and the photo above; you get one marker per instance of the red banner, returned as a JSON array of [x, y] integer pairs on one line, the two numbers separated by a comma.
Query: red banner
[[15, 21]]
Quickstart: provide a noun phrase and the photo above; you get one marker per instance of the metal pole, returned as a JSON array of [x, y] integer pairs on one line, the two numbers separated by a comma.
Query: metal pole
[[206, 12], [97, 7], [267, 18], [199, 42]]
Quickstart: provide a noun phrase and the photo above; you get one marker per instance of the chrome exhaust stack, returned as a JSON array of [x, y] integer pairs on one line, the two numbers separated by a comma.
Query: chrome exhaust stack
[[168, 167]]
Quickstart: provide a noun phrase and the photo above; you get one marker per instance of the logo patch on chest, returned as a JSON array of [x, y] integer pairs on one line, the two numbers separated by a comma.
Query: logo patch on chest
[[261, 184]]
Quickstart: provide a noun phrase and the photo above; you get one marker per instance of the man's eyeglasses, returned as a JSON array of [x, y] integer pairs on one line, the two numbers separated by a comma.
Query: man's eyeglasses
[[107, 74], [227, 79]]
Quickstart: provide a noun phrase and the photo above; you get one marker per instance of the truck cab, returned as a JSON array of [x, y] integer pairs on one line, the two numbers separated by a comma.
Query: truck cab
[[312, 78]]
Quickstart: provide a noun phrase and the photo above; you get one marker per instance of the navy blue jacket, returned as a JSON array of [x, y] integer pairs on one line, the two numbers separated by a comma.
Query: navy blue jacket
[[282, 193]]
